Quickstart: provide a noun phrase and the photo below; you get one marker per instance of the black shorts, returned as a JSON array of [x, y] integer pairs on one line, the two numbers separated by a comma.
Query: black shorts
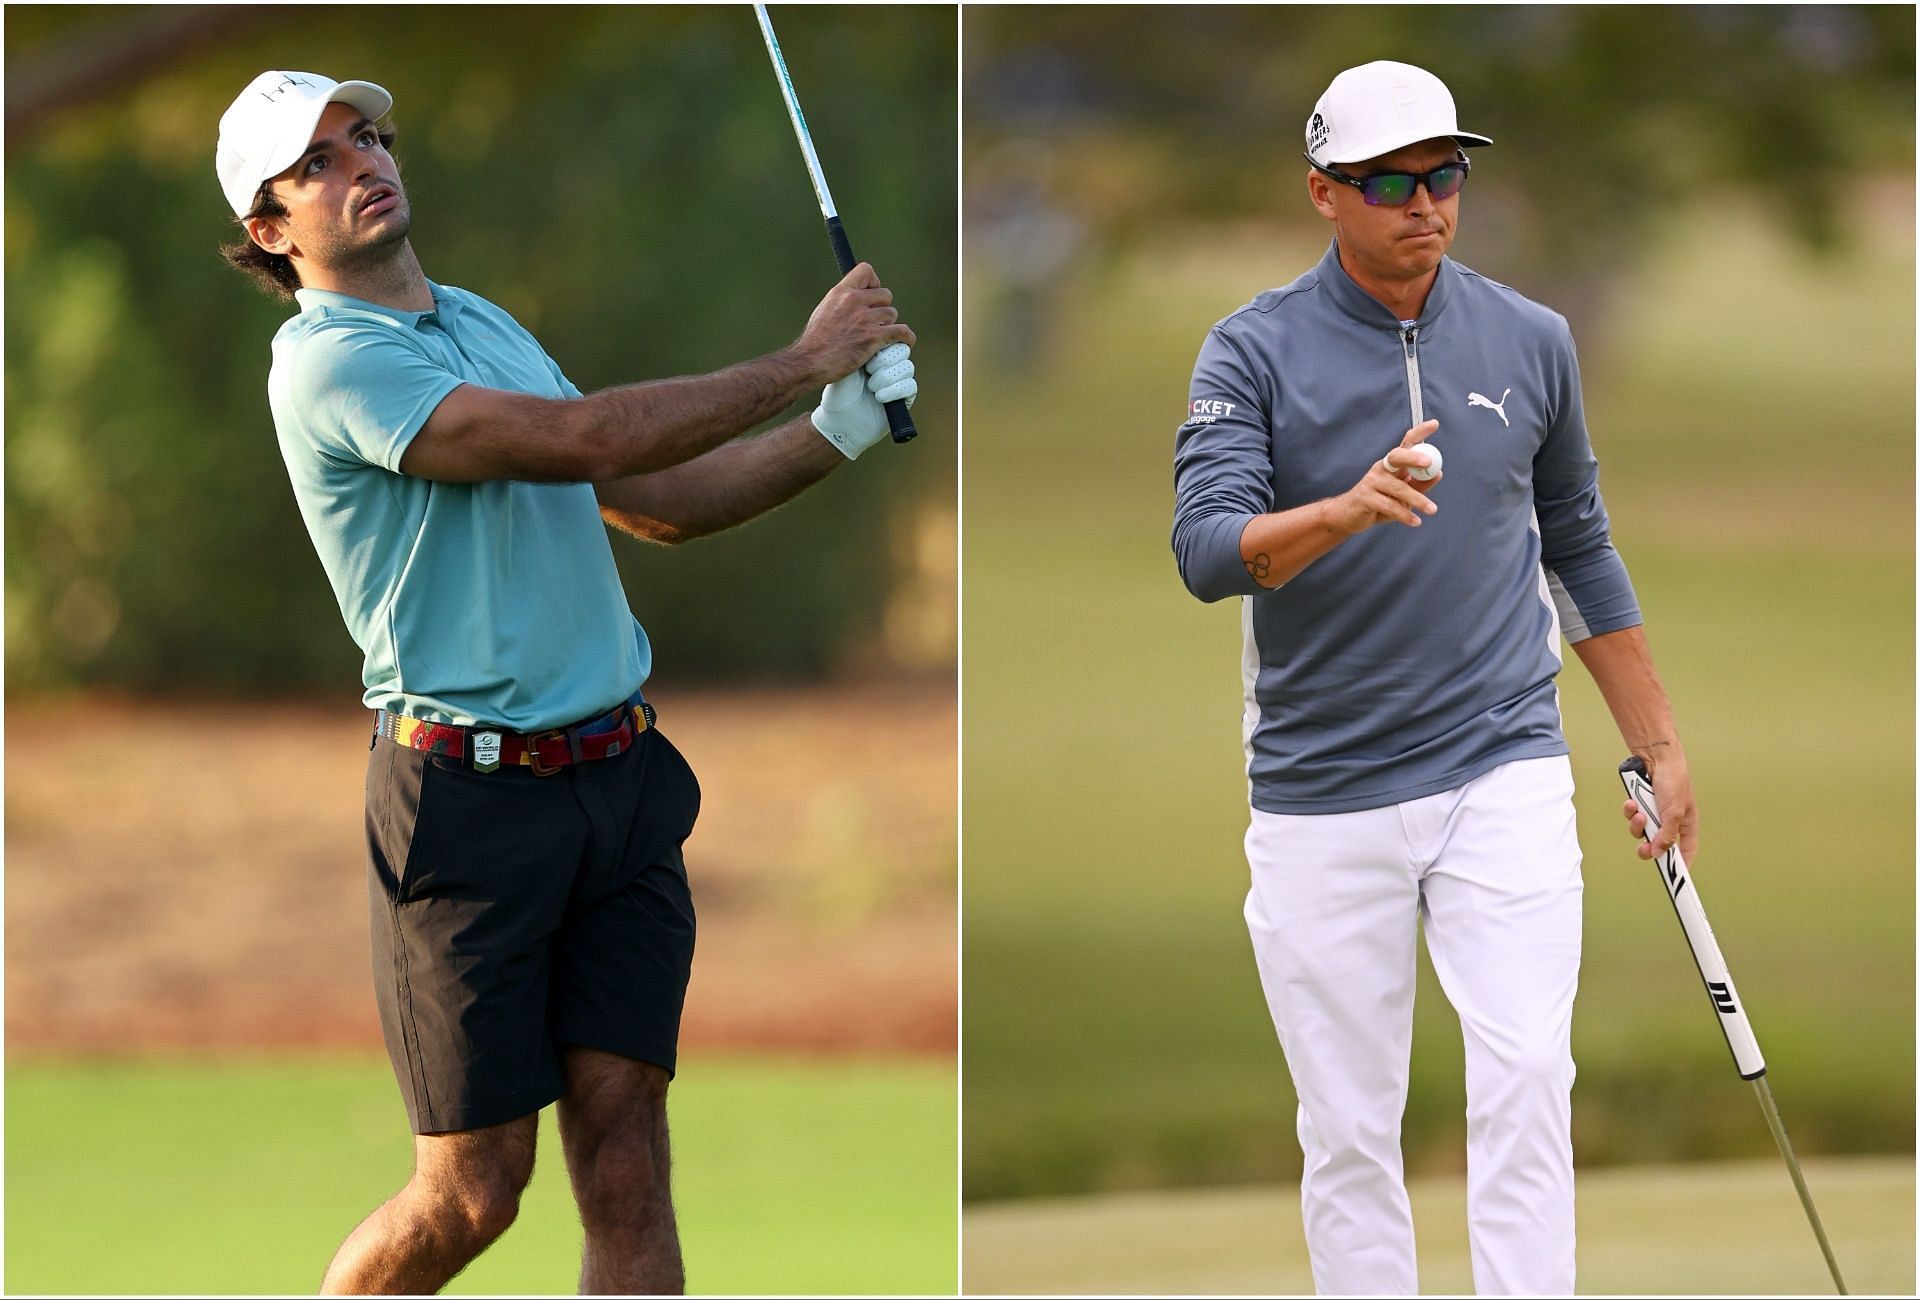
[[514, 914]]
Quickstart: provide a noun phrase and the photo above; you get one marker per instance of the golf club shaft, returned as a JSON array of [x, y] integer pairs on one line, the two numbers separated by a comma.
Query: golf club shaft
[[1728, 1009], [1779, 1130], [899, 419]]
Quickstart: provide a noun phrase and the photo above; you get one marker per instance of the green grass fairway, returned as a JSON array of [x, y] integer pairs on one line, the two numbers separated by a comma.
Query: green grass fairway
[[242, 1176], [1708, 1229]]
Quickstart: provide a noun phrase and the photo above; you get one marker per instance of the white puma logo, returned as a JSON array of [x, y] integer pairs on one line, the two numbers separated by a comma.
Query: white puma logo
[[1498, 408]]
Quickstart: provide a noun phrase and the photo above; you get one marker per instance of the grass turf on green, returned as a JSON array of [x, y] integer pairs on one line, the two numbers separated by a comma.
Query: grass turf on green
[[1115, 1035], [1703, 1229], [223, 1176]]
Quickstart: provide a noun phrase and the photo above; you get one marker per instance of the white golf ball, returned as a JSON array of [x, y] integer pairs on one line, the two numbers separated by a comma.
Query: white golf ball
[[1432, 470]]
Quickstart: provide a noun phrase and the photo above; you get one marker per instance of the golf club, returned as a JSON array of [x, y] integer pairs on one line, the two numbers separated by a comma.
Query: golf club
[[898, 418], [1729, 1010]]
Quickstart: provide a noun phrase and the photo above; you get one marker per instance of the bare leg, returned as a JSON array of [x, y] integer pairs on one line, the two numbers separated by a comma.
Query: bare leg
[[613, 1125], [464, 1192]]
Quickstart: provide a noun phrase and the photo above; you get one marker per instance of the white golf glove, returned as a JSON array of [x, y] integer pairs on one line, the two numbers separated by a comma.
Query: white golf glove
[[852, 412]]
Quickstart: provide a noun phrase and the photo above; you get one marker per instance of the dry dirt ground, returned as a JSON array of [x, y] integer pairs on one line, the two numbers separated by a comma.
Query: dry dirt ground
[[190, 875]]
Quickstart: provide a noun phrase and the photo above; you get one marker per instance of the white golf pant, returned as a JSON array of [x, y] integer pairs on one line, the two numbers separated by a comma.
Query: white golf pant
[[1493, 870]]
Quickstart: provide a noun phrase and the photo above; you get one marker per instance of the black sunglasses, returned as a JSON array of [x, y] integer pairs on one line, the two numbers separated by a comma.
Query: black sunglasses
[[1395, 189]]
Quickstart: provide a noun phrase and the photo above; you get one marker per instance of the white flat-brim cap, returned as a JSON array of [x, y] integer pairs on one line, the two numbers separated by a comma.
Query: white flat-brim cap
[[266, 129], [1379, 107]]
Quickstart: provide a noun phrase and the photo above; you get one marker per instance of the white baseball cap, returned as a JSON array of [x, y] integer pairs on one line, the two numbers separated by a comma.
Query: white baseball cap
[[266, 129], [1379, 107]]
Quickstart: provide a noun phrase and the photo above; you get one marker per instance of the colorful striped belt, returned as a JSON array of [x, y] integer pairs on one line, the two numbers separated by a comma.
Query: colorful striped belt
[[487, 749]]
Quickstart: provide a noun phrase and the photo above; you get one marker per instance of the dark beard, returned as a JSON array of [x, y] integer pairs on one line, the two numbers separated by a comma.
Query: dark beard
[[383, 248]]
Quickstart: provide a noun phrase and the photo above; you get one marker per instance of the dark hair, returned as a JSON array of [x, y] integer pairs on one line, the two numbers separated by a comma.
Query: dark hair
[[272, 272]]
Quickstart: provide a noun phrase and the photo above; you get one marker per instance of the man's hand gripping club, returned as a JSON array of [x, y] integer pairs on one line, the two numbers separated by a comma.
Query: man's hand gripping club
[[852, 321]]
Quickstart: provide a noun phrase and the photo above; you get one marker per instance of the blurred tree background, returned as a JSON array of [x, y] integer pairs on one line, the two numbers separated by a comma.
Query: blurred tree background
[[1721, 200], [624, 181], [1089, 133]]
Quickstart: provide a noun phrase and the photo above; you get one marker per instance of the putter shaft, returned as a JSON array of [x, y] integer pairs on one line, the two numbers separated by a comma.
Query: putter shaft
[[1729, 1010], [1772, 1112]]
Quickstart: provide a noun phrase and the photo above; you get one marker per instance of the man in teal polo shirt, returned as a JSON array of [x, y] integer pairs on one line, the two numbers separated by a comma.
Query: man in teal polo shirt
[[532, 925]]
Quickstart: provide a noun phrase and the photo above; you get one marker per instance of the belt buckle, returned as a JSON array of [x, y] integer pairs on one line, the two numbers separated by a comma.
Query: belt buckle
[[533, 751]]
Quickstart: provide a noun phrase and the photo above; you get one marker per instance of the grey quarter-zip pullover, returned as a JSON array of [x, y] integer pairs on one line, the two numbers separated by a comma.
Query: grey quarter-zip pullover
[[1406, 661]]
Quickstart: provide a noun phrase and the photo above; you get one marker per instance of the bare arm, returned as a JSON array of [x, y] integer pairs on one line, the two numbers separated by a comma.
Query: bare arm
[[724, 487], [488, 433], [1277, 547], [1621, 664], [482, 433]]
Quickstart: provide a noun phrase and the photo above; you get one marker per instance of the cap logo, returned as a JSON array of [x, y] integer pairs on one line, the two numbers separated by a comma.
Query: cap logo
[[1317, 133], [1405, 98], [285, 82]]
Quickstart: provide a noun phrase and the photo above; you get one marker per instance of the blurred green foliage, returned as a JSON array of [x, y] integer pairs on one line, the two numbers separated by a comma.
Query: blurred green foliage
[[1605, 118], [624, 181]]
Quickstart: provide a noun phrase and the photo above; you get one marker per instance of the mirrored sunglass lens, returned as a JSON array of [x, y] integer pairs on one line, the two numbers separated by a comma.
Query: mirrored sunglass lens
[[1391, 190], [1445, 182]]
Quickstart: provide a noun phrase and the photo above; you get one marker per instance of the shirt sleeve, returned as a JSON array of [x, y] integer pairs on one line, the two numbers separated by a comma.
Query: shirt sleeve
[[362, 391], [1585, 574], [1222, 471], [567, 386]]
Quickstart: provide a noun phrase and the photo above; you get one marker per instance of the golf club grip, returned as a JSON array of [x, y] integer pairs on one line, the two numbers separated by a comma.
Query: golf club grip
[[842, 250], [1685, 897], [899, 419]]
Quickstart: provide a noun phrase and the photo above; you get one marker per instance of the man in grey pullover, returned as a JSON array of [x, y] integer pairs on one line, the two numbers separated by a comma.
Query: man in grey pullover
[[1402, 634]]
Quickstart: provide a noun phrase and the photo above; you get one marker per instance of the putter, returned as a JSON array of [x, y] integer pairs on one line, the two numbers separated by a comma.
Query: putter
[[899, 420], [1728, 1008]]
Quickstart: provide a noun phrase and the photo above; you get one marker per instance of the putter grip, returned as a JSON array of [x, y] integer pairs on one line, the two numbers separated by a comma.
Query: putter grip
[[1685, 897], [899, 419]]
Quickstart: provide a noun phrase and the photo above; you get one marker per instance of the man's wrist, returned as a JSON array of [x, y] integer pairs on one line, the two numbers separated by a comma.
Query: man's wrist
[[1327, 516], [807, 368], [1665, 749], [1334, 516]]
